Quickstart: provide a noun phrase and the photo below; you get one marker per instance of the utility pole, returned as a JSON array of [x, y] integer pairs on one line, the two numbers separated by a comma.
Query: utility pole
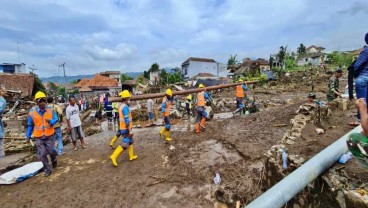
[[18, 52], [33, 68], [66, 94]]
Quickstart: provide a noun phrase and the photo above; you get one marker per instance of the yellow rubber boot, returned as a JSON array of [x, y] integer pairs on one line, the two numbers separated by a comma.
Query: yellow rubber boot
[[162, 132], [168, 136], [116, 154], [113, 141], [131, 153]]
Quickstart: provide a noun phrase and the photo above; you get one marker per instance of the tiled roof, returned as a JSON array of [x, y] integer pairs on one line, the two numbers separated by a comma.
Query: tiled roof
[[98, 81], [199, 60]]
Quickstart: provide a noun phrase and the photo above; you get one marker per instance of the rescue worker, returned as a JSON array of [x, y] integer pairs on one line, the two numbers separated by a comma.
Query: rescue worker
[[116, 105], [202, 98], [41, 121], [125, 127], [108, 109], [166, 102], [57, 127], [334, 85], [188, 104], [115, 112], [240, 94]]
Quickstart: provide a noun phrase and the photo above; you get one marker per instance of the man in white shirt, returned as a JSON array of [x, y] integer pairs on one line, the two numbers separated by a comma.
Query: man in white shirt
[[74, 124]]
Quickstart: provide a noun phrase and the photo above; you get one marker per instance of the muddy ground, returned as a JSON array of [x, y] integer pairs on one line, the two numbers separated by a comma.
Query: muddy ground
[[180, 177]]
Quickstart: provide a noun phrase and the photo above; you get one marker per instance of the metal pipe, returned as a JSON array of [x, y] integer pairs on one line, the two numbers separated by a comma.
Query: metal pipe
[[184, 92], [291, 185]]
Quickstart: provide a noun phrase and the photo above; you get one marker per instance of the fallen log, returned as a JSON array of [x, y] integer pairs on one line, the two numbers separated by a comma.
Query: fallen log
[[185, 92]]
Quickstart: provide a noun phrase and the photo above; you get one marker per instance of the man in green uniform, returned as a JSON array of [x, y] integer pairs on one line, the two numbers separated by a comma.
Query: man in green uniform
[[333, 86]]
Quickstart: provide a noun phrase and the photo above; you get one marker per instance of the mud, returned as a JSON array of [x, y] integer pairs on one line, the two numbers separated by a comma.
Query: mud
[[179, 173]]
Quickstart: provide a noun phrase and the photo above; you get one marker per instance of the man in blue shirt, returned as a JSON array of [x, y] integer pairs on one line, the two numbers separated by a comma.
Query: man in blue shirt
[[361, 82], [40, 123]]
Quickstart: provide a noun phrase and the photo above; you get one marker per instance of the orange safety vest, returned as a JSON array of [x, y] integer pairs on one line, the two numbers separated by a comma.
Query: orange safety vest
[[41, 126], [123, 125], [167, 109], [201, 101], [239, 91]]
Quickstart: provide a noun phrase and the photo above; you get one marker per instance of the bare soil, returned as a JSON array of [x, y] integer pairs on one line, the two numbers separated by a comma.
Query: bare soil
[[180, 177]]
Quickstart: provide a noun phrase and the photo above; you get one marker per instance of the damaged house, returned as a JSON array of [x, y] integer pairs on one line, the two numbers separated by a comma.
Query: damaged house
[[21, 84]]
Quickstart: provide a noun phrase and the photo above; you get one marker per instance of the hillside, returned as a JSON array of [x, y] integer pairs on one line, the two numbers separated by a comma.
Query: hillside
[[69, 79]]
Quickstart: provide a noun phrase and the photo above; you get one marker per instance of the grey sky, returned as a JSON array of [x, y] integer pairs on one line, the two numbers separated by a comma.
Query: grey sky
[[94, 35]]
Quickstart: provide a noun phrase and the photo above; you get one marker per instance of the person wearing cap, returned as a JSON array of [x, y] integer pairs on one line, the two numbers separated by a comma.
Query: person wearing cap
[[361, 82], [334, 85], [125, 127], [202, 98], [311, 98], [41, 121], [2, 131], [165, 109], [57, 127], [240, 94]]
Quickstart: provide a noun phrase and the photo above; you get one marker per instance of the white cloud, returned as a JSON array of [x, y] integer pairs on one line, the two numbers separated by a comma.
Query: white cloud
[[130, 35]]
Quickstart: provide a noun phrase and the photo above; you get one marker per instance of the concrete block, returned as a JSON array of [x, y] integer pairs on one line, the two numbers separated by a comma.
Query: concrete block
[[343, 104]]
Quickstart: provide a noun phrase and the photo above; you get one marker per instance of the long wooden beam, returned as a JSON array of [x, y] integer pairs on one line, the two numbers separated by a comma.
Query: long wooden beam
[[184, 92]]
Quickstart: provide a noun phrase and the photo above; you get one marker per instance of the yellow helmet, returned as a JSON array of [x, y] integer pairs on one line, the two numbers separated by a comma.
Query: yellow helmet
[[39, 95], [125, 94], [240, 80], [168, 92], [201, 86], [189, 97]]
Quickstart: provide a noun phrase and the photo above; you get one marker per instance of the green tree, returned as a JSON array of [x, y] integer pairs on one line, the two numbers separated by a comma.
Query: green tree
[[37, 85], [301, 49], [74, 82], [290, 63], [282, 56], [231, 63], [271, 60], [146, 75], [61, 91], [163, 77], [125, 77], [154, 67]]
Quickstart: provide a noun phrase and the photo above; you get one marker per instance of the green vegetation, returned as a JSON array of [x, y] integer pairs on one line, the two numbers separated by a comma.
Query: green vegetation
[[154, 67], [37, 85], [125, 77], [301, 49], [337, 58], [166, 78]]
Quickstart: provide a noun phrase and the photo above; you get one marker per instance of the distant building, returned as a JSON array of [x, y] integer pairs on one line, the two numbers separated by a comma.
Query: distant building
[[99, 83], [313, 56], [251, 66], [314, 49], [154, 77], [193, 66], [13, 68], [112, 74]]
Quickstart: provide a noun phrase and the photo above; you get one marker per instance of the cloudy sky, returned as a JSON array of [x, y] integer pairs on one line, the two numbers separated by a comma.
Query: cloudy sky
[[97, 35]]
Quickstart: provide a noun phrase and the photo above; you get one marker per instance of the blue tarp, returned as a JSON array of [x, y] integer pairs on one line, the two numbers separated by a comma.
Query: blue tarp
[[270, 74]]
